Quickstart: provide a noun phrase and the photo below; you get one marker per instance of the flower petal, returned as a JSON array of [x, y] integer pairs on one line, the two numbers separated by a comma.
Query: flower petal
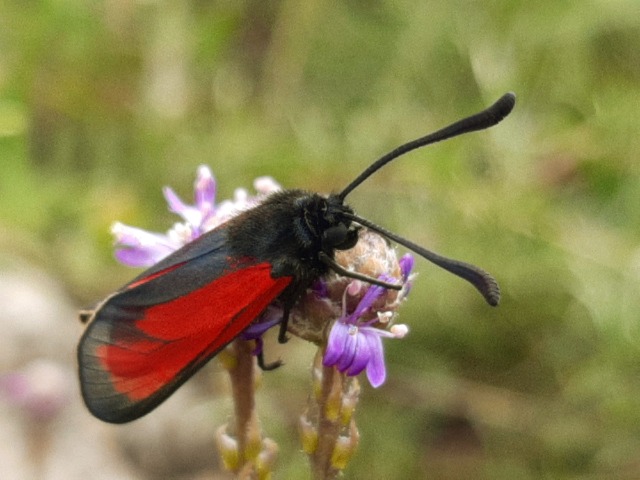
[[376, 370], [138, 248], [176, 205], [349, 351], [240, 197], [362, 356], [406, 265], [140, 257], [266, 185], [371, 295], [205, 194], [335, 345], [205, 187]]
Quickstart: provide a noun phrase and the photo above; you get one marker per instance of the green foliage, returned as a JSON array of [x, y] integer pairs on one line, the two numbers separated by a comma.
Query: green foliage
[[102, 103]]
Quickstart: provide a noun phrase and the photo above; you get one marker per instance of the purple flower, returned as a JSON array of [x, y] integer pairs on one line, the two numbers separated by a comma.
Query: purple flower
[[355, 340], [199, 214], [138, 248]]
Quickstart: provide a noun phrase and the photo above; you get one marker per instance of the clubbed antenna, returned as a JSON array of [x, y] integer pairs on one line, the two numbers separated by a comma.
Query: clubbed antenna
[[483, 281], [484, 119]]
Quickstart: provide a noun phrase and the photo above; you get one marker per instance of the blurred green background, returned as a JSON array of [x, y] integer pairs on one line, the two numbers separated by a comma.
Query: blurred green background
[[104, 102]]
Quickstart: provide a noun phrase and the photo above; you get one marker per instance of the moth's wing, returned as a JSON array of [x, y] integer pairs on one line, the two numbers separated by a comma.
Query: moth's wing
[[146, 340]]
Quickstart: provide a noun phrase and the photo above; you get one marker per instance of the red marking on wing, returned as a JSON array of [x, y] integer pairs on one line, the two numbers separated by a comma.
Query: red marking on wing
[[153, 275], [173, 335]]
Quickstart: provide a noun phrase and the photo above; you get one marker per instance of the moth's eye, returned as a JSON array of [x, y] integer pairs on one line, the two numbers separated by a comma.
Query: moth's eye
[[340, 237], [350, 241], [334, 236]]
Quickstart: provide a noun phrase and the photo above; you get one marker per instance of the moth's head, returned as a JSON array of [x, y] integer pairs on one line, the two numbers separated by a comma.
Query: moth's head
[[339, 232], [325, 219]]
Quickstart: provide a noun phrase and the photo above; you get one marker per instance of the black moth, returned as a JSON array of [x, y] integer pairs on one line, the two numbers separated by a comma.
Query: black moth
[[145, 340]]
